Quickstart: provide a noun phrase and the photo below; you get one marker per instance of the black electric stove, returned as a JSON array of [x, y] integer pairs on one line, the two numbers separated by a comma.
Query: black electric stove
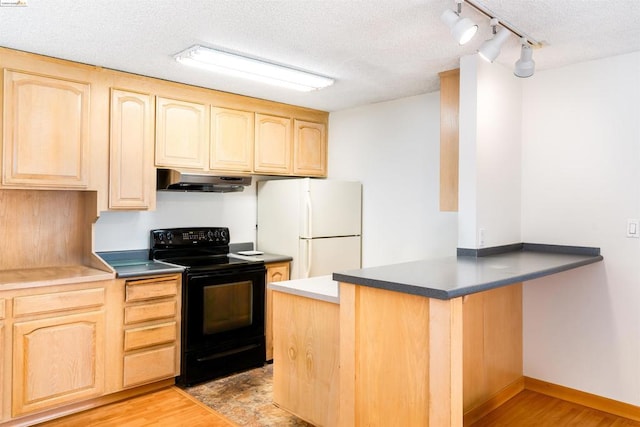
[[222, 302]]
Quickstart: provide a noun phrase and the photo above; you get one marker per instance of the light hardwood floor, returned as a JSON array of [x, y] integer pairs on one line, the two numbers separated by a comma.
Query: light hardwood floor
[[173, 407], [167, 407]]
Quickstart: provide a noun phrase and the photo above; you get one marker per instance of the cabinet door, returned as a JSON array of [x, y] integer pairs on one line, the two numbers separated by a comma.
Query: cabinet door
[[57, 360], [232, 137], [306, 350], [273, 145], [131, 172], [275, 273], [310, 148], [46, 131], [182, 134]]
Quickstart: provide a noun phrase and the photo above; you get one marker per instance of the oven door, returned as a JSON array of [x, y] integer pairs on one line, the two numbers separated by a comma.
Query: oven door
[[222, 323], [223, 306]]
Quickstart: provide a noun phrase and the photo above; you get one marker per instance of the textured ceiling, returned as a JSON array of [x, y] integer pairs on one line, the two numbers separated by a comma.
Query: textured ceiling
[[377, 50]]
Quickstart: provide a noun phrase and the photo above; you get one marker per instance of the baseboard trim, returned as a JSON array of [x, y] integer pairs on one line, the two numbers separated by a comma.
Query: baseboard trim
[[475, 414], [592, 401]]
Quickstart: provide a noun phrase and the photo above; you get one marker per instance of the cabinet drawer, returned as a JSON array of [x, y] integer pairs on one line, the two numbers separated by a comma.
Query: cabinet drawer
[[60, 301], [147, 312], [149, 366], [140, 290], [149, 336]]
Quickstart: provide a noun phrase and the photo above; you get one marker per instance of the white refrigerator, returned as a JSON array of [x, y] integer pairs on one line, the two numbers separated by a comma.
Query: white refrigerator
[[317, 222]]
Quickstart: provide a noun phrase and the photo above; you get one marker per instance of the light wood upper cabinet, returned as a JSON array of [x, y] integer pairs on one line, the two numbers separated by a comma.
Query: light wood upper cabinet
[[182, 134], [45, 131], [232, 138], [449, 111], [131, 175], [310, 148], [273, 145]]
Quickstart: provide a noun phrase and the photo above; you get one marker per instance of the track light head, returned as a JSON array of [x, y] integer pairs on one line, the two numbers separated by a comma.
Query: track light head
[[462, 29], [525, 66], [490, 49]]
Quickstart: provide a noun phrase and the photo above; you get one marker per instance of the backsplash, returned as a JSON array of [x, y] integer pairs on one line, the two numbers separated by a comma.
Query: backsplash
[[130, 230]]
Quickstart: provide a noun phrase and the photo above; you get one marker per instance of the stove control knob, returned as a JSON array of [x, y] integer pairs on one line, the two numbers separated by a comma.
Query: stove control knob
[[210, 235], [223, 235], [161, 236], [169, 235]]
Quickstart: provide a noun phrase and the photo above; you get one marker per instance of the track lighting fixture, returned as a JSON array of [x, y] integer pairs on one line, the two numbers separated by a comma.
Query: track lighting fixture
[[490, 49], [462, 29], [525, 66]]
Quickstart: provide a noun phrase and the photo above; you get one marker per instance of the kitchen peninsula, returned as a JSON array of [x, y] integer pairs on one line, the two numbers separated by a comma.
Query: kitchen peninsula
[[432, 342]]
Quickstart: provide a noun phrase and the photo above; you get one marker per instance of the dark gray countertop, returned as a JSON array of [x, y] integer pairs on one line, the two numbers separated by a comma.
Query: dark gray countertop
[[475, 271], [267, 258], [136, 263]]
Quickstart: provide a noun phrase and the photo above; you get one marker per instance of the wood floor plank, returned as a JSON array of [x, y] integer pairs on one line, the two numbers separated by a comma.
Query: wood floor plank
[[166, 407], [532, 409]]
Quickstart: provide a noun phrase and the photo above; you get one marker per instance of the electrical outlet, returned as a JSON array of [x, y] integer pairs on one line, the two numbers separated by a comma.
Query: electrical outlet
[[633, 228]]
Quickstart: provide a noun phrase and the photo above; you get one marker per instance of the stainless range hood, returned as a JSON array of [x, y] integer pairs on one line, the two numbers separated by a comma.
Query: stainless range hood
[[179, 180]]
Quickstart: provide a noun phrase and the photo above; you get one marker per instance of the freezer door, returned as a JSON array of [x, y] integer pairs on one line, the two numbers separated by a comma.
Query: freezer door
[[319, 257], [330, 208]]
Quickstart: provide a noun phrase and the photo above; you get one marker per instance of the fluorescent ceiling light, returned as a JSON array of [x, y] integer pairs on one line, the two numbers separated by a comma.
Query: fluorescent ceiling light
[[253, 69]]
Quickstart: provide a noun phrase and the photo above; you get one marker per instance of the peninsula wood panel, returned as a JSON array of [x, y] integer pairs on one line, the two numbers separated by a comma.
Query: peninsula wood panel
[[449, 139], [400, 359], [45, 131], [131, 172], [306, 358], [492, 343]]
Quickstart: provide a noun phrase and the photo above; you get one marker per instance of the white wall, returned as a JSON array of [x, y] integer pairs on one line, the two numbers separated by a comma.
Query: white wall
[[489, 152], [393, 148], [130, 230], [580, 184]]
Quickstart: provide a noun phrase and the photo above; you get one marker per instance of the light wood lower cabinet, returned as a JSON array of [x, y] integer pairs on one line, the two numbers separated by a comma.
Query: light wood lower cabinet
[[276, 272], [151, 341], [306, 358], [70, 347], [58, 347], [57, 360]]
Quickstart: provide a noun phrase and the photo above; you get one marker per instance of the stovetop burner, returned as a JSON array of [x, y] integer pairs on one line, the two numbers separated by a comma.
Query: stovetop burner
[[197, 248]]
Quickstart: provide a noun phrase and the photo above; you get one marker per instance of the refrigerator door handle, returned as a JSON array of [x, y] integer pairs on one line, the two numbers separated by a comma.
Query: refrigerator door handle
[[309, 216], [307, 270]]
